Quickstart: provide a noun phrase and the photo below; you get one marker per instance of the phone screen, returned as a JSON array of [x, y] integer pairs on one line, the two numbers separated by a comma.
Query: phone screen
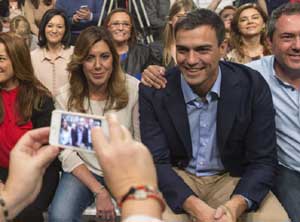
[[75, 130]]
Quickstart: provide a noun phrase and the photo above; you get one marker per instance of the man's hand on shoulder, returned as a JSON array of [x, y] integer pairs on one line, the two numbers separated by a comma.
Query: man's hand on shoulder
[[153, 76]]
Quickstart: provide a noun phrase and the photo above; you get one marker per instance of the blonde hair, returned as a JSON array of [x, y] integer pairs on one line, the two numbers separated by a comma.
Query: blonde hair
[[25, 33], [168, 34], [235, 35]]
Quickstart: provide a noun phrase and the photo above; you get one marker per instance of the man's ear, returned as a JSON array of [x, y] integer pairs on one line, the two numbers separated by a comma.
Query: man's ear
[[223, 47], [269, 41]]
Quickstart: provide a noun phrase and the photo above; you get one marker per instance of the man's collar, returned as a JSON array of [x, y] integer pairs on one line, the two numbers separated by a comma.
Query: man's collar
[[277, 78], [214, 92], [46, 55]]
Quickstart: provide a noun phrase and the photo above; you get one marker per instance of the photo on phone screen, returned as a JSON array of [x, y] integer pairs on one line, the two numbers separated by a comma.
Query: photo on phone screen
[[71, 130]]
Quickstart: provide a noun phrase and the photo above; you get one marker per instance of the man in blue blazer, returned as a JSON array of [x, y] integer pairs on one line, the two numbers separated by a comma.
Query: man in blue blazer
[[211, 130]]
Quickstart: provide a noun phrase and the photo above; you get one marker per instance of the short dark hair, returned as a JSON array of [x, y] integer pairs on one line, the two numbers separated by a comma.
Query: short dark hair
[[201, 17], [286, 9], [45, 19]]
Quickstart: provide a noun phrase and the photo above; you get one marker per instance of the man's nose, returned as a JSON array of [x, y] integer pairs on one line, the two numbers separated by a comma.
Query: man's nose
[[192, 58]]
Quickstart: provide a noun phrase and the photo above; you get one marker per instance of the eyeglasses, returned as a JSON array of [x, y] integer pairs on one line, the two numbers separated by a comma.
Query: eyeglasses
[[117, 24]]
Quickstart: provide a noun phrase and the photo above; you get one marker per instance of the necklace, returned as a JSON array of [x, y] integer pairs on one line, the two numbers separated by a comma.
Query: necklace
[[104, 108]]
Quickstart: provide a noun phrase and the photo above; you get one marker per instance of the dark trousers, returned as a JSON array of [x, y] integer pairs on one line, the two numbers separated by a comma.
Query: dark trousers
[[34, 212], [287, 190]]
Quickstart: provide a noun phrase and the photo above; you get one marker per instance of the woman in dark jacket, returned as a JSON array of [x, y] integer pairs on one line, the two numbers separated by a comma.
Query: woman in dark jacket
[[24, 104], [133, 56]]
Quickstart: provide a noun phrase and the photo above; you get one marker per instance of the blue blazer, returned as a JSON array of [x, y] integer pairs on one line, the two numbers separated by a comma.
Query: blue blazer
[[245, 133]]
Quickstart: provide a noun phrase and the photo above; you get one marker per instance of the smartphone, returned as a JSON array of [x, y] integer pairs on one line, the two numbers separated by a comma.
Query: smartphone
[[71, 130]]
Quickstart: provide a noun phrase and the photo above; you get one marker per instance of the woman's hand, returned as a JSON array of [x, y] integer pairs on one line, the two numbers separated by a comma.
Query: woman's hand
[[104, 206], [84, 14], [125, 162], [28, 162]]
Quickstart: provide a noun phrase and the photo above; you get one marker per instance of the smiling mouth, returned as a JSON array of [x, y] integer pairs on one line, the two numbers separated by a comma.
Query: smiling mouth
[[98, 75], [194, 69], [54, 36], [251, 27], [294, 55]]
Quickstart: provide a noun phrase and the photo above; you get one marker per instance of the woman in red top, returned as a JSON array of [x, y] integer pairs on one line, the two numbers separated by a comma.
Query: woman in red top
[[24, 104]]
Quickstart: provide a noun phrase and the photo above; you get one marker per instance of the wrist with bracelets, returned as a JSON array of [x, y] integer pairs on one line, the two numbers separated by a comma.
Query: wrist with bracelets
[[143, 192], [96, 193]]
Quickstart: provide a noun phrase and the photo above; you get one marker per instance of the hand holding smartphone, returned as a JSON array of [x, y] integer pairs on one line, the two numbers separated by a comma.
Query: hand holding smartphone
[[71, 130]]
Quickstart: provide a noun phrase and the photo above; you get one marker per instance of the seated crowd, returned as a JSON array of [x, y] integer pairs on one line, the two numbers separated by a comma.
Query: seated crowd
[[214, 100]]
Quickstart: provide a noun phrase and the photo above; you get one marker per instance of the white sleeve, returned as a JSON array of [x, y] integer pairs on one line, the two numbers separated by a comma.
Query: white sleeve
[[69, 160], [141, 218]]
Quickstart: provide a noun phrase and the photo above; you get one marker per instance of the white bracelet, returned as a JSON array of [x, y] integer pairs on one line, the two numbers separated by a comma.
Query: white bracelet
[[141, 218]]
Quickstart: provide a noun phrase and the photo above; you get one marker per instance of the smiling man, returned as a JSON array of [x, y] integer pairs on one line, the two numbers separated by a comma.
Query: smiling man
[[282, 72], [211, 131]]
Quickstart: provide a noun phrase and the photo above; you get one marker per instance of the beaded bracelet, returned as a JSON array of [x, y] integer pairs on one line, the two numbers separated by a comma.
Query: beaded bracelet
[[143, 192], [4, 209]]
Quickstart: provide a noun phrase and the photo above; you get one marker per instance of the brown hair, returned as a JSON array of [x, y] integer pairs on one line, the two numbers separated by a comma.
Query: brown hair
[[133, 39], [236, 40], [36, 3], [227, 7], [25, 33], [31, 91], [116, 87], [168, 34]]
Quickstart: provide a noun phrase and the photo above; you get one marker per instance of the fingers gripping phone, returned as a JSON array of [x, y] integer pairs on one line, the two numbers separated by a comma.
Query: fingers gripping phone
[[71, 130]]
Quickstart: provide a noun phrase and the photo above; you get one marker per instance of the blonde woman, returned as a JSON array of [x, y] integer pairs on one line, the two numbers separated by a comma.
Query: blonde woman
[[97, 86], [248, 34]]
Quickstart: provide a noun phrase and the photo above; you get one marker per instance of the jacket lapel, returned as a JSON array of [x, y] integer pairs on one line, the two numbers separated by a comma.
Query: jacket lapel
[[176, 108], [228, 103]]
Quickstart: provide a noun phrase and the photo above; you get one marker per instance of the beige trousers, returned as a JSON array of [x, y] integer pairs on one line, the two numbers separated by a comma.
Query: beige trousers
[[216, 190]]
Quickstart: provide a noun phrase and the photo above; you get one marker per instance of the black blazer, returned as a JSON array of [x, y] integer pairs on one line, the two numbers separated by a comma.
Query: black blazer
[[245, 133]]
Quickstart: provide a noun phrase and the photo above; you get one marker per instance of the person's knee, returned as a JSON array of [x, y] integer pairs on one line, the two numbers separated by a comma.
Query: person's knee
[[58, 213], [270, 210]]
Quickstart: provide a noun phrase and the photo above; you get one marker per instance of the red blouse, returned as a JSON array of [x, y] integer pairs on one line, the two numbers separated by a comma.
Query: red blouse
[[10, 132]]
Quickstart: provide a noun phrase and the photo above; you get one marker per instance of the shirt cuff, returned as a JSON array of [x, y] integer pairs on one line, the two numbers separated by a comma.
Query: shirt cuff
[[91, 16], [141, 218], [249, 202]]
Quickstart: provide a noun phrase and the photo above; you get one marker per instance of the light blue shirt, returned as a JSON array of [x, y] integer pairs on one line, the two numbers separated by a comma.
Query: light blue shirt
[[202, 121], [286, 101]]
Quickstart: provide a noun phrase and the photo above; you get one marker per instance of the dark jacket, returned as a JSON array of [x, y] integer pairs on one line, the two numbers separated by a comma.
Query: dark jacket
[[137, 59], [157, 11], [245, 133], [156, 55]]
